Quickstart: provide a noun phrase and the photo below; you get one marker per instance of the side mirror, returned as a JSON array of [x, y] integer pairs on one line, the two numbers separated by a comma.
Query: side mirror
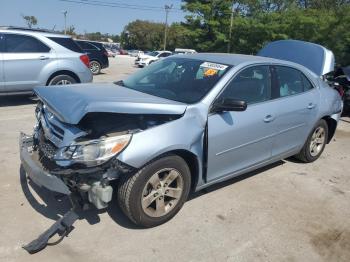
[[228, 104]]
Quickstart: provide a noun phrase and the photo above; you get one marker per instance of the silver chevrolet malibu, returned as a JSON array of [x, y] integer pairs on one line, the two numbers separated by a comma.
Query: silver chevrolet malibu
[[183, 123]]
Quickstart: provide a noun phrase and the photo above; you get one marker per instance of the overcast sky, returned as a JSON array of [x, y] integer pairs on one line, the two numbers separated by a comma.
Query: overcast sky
[[85, 17]]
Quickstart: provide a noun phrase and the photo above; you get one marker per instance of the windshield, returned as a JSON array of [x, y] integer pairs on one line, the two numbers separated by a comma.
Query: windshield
[[181, 79]]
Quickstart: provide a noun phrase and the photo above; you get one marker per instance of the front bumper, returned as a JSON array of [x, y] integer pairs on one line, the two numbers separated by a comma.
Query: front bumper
[[34, 169]]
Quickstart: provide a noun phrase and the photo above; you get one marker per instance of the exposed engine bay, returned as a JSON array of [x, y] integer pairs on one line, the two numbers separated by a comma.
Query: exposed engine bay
[[89, 179]]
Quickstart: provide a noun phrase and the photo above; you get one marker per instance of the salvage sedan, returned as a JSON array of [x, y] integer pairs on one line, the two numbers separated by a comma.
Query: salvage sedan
[[183, 123]]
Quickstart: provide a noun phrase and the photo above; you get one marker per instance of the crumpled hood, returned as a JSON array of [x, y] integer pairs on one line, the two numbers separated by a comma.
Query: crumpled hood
[[71, 103]]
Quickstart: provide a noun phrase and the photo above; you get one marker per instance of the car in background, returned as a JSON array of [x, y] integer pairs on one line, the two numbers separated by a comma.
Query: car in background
[[111, 53], [340, 80], [135, 53], [123, 52], [30, 58], [97, 54], [148, 58], [184, 51]]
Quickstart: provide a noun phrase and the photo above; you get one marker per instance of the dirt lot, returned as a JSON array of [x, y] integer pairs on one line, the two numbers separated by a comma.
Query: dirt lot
[[286, 212]]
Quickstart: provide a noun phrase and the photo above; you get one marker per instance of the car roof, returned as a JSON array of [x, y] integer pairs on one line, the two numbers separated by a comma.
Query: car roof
[[230, 59], [31, 32]]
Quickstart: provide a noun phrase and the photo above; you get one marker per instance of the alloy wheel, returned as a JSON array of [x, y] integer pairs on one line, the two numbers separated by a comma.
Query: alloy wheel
[[162, 192], [94, 67], [318, 140], [64, 82]]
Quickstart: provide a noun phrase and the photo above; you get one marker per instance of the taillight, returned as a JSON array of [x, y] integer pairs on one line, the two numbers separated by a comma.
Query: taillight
[[85, 60], [106, 53]]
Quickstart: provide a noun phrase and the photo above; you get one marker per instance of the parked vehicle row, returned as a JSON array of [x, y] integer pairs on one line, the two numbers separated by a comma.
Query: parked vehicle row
[[30, 58]]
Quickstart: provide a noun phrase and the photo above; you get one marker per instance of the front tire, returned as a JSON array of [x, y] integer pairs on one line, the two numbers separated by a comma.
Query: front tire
[[315, 143], [62, 80], [156, 192]]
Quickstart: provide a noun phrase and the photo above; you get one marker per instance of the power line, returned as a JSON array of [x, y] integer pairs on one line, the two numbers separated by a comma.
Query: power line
[[117, 5]]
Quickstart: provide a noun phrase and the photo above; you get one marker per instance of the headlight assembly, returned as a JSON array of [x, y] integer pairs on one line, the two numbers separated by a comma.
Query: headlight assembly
[[93, 152]]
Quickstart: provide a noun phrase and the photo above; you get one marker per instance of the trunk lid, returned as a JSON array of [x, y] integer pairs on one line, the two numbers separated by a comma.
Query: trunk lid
[[315, 57], [71, 103]]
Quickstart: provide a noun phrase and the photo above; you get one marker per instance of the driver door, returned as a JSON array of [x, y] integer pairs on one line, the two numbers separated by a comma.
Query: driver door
[[2, 77], [239, 140]]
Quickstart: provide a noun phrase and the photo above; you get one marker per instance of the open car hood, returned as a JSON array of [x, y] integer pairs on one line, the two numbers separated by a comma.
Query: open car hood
[[71, 103], [315, 57]]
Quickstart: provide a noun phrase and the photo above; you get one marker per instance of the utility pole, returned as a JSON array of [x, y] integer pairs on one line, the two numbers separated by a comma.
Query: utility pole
[[65, 21], [230, 32], [167, 10]]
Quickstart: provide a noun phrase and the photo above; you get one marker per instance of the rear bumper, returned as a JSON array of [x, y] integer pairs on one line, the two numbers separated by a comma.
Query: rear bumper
[[86, 76], [34, 169]]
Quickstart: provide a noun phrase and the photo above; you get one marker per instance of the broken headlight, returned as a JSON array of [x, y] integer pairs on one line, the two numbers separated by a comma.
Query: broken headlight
[[94, 152]]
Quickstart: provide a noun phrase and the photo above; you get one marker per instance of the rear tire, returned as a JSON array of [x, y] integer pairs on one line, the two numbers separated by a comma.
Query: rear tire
[[62, 80], [156, 192], [95, 67], [315, 143]]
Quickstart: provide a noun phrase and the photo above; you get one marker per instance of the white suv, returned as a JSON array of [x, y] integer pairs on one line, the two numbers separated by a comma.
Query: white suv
[[148, 58], [30, 58]]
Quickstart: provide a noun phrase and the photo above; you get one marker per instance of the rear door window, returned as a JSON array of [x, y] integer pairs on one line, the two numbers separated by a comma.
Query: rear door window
[[164, 54], [67, 43], [1, 43], [24, 44], [289, 81], [86, 45], [306, 83]]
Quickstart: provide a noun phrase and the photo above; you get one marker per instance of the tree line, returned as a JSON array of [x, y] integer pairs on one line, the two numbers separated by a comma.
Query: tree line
[[207, 26]]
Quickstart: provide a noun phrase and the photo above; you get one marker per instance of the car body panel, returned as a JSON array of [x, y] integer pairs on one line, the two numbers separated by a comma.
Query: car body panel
[[2, 79], [72, 103], [233, 135], [316, 58]]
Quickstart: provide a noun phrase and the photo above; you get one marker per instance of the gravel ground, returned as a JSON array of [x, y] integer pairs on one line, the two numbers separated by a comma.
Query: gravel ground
[[285, 212]]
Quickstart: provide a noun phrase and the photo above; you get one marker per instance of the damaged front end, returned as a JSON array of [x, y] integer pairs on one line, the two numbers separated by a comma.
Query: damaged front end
[[81, 159]]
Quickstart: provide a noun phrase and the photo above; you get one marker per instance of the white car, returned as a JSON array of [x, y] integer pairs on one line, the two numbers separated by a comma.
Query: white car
[[148, 58]]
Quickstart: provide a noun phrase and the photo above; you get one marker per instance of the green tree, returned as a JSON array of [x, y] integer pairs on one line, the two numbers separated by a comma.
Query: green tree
[[30, 20], [143, 35]]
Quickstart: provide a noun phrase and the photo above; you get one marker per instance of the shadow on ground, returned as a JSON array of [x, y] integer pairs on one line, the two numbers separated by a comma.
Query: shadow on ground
[[17, 100], [55, 206]]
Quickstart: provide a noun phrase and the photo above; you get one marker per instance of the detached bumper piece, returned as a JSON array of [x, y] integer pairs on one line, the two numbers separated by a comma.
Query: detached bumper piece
[[62, 227], [34, 169]]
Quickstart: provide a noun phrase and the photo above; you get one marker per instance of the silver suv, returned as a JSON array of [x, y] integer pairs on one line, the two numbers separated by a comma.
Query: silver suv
[[30, 58]]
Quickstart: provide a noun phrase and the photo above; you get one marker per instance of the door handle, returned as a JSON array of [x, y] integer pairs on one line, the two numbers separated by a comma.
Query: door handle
[[311, 106], [43, 57], [269, 118]]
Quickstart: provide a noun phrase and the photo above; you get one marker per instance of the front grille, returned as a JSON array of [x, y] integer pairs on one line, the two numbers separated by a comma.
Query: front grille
[[47, 148]]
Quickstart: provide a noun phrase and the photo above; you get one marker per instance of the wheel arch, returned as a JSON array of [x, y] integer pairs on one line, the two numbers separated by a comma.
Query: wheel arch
[[192, 161], [63, 72], [332, 126]]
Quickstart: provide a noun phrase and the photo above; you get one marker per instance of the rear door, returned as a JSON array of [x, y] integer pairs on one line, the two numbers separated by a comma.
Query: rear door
[[239, 140], [24, 58], [295, 109], [2, 79]]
